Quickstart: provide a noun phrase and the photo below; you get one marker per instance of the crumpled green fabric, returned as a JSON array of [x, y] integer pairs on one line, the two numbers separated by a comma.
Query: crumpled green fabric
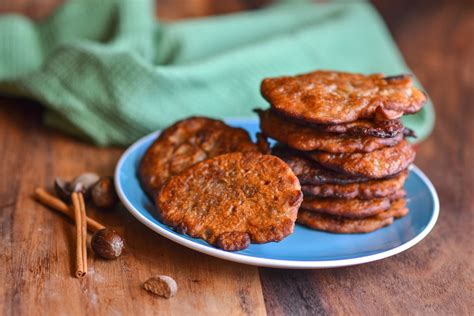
[[110, 72]]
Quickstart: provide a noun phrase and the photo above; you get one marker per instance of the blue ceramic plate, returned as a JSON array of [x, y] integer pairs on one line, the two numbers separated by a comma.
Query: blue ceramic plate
[[305, 248]]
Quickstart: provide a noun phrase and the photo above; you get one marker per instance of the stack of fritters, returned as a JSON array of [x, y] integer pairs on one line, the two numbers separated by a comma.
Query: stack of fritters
[[342, 136]]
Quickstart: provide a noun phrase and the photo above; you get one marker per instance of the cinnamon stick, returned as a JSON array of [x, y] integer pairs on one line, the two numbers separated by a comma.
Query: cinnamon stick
[[83, 233], [79, 217], [56, 204]]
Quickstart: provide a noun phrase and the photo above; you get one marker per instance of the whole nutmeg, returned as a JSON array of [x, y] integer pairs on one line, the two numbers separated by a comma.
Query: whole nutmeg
[[103, 193], [62, 189], [107, 244]]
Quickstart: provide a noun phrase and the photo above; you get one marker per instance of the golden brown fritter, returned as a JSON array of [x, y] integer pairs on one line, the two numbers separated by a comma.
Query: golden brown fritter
[[331, 97], [341, 225], [370, 189], [310, 172], [362, 127], [384, 129], [397, 209], [353, 208], [186, 143], [233, 199], [338, 224], [306, 138], [374, 165]]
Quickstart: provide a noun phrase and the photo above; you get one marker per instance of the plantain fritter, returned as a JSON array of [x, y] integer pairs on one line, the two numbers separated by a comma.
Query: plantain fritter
[[366, 190], [342, 225], [186, 143], [307, 138], [331, 97], [232, 200], [377, 164]]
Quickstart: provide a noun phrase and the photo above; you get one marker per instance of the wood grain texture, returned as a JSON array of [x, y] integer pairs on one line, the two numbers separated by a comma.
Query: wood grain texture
[[434, 277]]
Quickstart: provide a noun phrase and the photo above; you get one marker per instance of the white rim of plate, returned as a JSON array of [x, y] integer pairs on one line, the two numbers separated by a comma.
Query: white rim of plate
[[264, 262]]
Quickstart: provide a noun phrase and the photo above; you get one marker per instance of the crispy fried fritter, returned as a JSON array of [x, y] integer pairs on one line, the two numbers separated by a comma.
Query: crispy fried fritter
[[330, 97], [338, 224], [341, 225], [310, 172], [306, 138], [350, 208], [374, 165], [370, 189], [353, 208], [397, 209], [384, 129], [185, 143], [232, 199]]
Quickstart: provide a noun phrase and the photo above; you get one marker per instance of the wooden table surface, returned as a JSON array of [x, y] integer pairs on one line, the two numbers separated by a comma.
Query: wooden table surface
[[434, 277]]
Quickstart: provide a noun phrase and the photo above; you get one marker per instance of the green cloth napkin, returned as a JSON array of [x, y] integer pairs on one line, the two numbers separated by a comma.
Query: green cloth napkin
[[109, 72]]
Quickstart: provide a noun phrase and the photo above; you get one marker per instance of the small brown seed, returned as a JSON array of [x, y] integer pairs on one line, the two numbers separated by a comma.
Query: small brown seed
[[103, 193], [107, 244], [161, 285]]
